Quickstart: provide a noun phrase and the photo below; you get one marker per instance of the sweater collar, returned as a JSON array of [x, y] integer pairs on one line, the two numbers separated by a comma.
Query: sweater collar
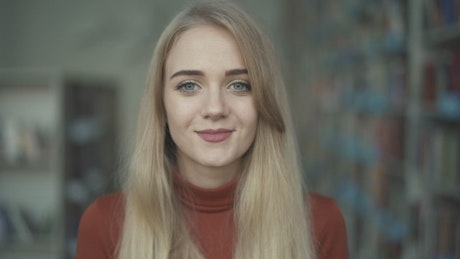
[[206, 200]]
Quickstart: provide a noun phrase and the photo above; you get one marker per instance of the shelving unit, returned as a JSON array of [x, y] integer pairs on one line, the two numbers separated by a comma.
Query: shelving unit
[[434, 149], [385, 113], [357, 53], [30, 162], [90, 149], [443, 37], [385, 79], [46, 117]]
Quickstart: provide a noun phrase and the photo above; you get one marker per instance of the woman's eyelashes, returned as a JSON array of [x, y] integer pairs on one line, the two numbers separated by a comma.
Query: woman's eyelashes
[[188, 87], [237, 86], [240, 86]]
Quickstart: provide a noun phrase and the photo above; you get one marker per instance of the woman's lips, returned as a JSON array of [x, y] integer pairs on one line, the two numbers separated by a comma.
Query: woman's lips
[[214, 136]]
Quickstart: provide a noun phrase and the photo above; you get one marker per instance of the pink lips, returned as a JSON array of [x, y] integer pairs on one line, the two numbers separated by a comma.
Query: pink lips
[[214, 136]]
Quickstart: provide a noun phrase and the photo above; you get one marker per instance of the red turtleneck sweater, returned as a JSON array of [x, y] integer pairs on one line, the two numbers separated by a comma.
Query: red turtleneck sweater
[[213, 229]]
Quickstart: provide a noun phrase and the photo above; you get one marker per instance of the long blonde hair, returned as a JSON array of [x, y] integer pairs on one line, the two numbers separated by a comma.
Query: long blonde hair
[[271, 209]]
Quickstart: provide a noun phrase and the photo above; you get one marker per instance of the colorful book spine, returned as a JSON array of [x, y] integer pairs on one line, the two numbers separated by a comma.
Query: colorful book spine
[[442, 13], [441, 87]]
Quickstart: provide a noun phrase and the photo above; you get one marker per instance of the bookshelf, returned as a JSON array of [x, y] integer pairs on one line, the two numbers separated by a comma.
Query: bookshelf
[[357, 61], [435, 129], [50, 123], [29, 161], [385, 118]]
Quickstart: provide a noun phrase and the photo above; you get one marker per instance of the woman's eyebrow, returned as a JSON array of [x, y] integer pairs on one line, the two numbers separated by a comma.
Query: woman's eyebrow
[[188, 73], [231, 72], [236, 71]]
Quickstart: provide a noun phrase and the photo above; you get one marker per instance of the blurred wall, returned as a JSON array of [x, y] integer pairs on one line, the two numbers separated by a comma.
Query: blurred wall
[[7, 26]]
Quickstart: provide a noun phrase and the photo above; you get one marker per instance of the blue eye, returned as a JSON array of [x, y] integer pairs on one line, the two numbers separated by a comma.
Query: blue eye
[[187, 87], [240, 86]]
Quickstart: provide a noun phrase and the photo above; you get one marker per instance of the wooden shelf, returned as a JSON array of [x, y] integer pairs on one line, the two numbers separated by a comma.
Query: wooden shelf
[[25, 167], [447, 191], [446, 37], [36, 186], [39, 247], [440, 118]]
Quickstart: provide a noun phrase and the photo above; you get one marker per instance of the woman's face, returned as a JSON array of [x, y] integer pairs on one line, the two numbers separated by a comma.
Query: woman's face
[[209, 106]]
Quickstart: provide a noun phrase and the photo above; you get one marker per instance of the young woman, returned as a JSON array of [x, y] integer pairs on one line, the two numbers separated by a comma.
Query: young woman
[[214, 173]]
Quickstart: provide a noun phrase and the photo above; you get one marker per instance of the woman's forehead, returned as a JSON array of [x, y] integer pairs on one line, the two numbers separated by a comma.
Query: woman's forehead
[[203, 46]]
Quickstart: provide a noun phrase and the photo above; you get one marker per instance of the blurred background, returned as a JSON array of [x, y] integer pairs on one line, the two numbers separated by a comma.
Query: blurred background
[[374, 89]]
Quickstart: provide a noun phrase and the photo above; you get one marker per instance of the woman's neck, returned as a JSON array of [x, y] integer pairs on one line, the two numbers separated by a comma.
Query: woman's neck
[[209, 177]]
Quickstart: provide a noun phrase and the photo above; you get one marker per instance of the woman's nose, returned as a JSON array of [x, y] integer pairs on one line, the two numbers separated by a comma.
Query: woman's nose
[[215, 105]]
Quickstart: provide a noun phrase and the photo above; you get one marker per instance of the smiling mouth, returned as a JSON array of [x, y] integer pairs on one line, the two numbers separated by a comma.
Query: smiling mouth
[[214, 136]]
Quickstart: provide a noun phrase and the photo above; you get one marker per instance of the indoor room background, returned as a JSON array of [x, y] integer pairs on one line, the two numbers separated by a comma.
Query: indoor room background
[[374, 88]]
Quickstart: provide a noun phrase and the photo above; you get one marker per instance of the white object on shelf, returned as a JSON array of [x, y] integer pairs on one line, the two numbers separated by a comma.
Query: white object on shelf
[[11, 141], [23, 233]]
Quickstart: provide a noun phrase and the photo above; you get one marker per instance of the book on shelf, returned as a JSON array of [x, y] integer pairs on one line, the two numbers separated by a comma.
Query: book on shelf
[[438, 156], [23, 144], [447, 233], [441, 13], [21, 231], [441, 87]]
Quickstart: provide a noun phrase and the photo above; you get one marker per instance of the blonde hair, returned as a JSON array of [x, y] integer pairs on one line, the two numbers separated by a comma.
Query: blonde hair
[[271, 208]]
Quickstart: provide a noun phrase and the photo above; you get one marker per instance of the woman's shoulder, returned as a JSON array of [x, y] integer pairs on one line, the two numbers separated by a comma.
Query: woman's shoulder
[[100, 225], [106, 207], [108, 202], [325, 212], [319, 202], [328, 227]]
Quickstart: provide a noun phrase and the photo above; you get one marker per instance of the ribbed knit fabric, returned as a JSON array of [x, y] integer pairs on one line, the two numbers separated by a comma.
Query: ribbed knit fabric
[[210, 212]]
